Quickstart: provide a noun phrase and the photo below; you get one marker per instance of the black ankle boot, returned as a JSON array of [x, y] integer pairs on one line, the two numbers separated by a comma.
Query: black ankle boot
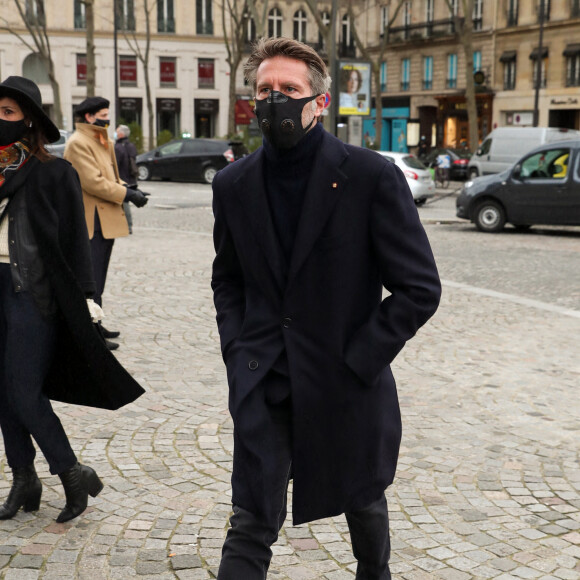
[[25, 492], [79, 482]]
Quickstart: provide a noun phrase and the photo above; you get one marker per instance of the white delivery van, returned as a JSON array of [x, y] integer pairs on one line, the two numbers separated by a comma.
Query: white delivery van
[[504, 146]]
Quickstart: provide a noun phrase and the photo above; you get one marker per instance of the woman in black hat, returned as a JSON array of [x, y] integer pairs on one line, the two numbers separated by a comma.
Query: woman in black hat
[[49, 347]]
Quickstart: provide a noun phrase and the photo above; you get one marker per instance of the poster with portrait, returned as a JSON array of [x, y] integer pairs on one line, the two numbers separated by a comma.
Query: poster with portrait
[[355, 88]]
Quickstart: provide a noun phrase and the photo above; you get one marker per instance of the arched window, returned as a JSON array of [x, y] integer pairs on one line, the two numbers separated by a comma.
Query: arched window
[[346, 39], [33, 68], [300, 22], [275, 22], [325, 17]]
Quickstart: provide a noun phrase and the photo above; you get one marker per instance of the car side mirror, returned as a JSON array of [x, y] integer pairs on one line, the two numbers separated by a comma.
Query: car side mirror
[[479, 152]]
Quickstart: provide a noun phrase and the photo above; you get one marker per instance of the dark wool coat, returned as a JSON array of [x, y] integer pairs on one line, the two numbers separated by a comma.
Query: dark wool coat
[[84, 371], [359, 232]]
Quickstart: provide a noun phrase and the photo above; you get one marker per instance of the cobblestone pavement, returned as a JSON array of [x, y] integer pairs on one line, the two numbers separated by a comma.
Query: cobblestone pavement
[[488, 482]]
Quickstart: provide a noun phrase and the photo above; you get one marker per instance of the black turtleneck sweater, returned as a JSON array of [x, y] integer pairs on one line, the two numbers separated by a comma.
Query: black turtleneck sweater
[[286, 174]]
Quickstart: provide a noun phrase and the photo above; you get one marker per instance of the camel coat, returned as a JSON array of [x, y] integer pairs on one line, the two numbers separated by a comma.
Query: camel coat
[[92, 154]]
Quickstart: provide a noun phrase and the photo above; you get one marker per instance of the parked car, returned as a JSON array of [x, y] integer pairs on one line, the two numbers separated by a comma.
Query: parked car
[[459, 160], [57, 149], [189, 159], [504, 146], [418, 176], [543, 187]]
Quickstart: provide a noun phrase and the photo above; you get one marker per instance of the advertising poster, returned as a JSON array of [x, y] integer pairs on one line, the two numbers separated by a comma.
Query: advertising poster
[[355, 88]]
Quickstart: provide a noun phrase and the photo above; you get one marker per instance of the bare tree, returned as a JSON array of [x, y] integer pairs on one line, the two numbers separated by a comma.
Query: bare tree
[[142, 52], [464, 33], [260, 18], [34, 19], [234, 16], [376, 57], [90, 28]]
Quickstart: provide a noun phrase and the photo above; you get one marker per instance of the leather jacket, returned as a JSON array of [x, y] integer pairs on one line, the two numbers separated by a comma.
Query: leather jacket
[[28, 270]]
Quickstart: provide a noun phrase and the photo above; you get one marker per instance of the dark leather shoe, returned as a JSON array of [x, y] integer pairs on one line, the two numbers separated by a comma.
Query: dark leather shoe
[[109, 333], [25, 492], [79, 482], [111, 345]]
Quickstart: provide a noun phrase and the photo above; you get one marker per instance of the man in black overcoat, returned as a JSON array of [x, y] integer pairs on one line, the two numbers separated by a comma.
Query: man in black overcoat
[[308, 233]]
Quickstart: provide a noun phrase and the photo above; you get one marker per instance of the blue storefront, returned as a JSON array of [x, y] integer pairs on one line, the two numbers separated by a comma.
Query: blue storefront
[[394, 128]]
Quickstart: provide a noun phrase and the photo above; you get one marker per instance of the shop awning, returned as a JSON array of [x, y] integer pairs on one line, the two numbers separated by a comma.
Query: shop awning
[[534, 54], [572, 50], [508, 55], [244, 112]]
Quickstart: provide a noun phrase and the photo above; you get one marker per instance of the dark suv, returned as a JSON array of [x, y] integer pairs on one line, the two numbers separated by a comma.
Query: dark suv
[[543, 187], [189, 159]]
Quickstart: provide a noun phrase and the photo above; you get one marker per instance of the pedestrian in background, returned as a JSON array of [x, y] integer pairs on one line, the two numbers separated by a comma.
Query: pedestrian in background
[[126, 154], [308, 231], [48, 343], [92, 154]]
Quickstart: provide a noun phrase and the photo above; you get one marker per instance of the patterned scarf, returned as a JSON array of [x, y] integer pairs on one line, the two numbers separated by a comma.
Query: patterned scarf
[[12, 158]]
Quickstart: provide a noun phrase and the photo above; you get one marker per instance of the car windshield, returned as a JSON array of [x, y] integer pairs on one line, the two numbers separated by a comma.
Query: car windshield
[[170, 148], [413, 162]]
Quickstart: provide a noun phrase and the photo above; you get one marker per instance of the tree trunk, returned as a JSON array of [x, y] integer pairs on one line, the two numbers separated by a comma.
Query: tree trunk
[[151, 115], [91, 66], [232, 96], [467, 41], [378, 105], [57, 107]]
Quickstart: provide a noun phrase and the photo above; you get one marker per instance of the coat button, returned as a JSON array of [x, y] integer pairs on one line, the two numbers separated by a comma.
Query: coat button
[[286, 322], [253, 365]]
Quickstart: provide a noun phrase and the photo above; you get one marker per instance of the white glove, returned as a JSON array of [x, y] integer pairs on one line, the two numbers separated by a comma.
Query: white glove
[[95, 310]]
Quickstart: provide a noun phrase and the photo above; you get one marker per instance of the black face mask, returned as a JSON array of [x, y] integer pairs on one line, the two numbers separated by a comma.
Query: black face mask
[[102, 123], [11, 131], [280, 119]]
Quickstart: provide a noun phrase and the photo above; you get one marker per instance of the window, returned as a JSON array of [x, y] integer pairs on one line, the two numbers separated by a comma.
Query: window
[[165, 18], [383, 76], [125, 14], [544, 10], [275, 22], [407, 18], [452, 14], [535, 54], [128, 71], [35, 12], [300, 21], [80, 15], [384, 24], [429, 16], [205, 73], [250, 31], [451, 71], [345, 32], [549, 164], [476, 60], [575, 8], [427, 73], [33, 68], [477, 14], [572, 54], [325, 17], [81, 69], [204, 17], [167, 72], [405, 73], [512, 14], [509, 75]]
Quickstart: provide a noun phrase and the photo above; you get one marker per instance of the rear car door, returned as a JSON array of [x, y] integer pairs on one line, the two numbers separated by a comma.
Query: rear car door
[[542, 193], [166, 161], [191, 159]]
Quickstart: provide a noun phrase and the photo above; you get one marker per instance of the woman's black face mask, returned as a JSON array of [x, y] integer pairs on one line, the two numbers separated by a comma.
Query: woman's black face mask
[[11, 131], [280, 119]]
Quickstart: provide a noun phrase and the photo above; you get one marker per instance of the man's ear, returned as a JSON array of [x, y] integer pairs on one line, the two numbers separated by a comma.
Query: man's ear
[[87, 120], [320, 101]]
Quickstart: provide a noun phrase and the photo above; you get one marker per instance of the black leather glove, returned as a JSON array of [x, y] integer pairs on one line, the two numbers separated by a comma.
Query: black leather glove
[[136, 197]]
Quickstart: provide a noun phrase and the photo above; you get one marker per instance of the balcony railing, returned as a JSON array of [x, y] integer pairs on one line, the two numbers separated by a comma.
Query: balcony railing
[[427, 85], [405, 85], [205, 27], [166, 25], [428, 29], [512, 18], [451, 83]]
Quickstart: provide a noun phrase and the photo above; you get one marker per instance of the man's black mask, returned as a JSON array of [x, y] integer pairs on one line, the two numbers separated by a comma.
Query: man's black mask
[[102, 123], [280, 119]]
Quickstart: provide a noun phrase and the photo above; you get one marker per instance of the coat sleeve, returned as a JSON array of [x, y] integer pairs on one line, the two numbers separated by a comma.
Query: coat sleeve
[[227, 279], [93, 182], [407, 269]]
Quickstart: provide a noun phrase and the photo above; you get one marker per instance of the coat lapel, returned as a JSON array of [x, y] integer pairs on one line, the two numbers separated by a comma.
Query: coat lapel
[[252, 196], [325, 187]]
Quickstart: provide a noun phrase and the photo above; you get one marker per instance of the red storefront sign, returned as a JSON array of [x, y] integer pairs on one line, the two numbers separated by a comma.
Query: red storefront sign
[[167, 72], [81, 68], [128, 69], [205, 71]]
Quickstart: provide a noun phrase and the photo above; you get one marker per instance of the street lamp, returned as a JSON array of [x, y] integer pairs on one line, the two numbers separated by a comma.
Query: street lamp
[[115, 27], [539, 67]]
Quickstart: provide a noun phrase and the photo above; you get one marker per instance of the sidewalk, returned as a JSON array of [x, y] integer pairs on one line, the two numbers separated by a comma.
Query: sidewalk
[[488, 479]]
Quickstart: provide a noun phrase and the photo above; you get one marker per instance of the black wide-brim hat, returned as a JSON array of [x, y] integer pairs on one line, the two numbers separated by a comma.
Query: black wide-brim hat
[[25, 92]]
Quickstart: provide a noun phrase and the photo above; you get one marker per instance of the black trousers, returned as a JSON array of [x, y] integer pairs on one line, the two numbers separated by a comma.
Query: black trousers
[[246, 552], [27, 342], [101, 249]]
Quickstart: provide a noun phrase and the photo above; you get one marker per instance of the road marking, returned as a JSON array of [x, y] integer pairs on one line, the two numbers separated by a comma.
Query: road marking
[[513, 298]]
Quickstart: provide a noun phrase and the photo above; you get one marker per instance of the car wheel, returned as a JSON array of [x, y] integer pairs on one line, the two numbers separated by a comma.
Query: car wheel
[[420, 201], [209, 174], [473, 173], [489, 216], [144, 173]]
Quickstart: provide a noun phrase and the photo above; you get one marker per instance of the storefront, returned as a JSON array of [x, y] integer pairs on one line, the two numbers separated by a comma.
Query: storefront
[[168, 115], [564, 112], [130, 110], [395, 117], [206, 112]]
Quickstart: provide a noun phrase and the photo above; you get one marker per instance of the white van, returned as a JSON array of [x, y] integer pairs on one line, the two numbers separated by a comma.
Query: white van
[[504, 146]]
